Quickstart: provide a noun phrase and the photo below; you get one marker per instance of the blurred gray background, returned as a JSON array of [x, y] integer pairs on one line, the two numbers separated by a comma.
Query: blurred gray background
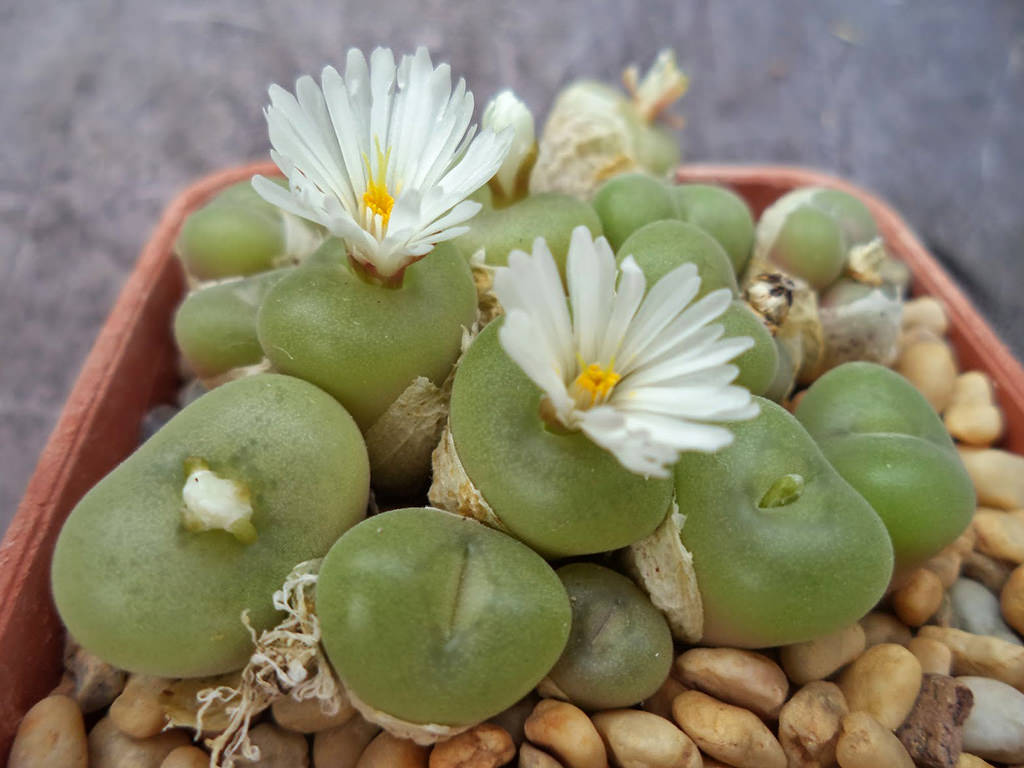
[[108, 107]]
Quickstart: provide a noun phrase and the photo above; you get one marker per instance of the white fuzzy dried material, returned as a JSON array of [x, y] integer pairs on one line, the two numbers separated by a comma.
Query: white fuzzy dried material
[[487, 305], [423, 734], [244, 371], [287, 661], [865, 329], [453, 491], [663, 568], [401, 441], [864, 262], [301, 239]]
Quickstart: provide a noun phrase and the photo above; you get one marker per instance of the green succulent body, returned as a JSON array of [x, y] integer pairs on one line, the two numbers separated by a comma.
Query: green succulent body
[[620, 648], [885, 439], [558, 492], [550, 215], [215, 327], [722, 214], [661, 246], [627, 202], [431, 617], [361, 342], [759, 364], [783, 548], [145, 594]]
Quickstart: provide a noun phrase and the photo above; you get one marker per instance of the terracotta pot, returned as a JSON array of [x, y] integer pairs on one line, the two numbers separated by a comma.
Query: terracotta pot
[[132, 367]]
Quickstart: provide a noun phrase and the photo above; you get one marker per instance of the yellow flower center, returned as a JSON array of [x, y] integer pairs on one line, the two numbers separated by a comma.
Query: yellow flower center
[[596, 383], [377, 198]]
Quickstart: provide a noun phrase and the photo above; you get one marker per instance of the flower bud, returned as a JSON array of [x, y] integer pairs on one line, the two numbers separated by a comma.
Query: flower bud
[[506, 111]]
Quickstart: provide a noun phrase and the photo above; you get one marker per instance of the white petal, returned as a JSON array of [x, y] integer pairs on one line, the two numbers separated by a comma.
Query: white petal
[[628, 296], [518, 336], [665, 300], [591, 277]]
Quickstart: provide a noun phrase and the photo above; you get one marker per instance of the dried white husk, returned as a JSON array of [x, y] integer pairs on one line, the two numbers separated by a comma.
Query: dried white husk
[[594, 131], [287, 661], [663, 568], [242, 372], [401, 441], [867, 328], [487, 305], [423, 734], [451, 488]]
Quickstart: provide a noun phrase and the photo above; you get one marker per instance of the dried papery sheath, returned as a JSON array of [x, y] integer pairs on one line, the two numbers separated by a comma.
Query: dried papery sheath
[[383, 157], [287, 661], [596, 131], [643, 376]]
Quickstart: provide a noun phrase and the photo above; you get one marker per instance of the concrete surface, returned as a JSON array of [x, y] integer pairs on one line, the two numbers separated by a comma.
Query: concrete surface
[[107, 107]]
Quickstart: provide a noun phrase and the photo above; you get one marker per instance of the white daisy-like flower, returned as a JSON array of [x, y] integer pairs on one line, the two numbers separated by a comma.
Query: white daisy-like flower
[[643, 377], [383, 157]]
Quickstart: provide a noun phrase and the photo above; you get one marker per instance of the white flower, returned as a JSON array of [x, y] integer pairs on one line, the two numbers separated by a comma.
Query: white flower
[[506, 111], [641, 377], [381, 157]]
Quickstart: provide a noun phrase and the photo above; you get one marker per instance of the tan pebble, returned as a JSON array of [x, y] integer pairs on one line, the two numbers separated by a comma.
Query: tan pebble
[[925, 312], [1011, 599], [660, 703], [308, 716], [51, 735], [387, 751], [931, 368], [744, 678], [710, 762], [137, 711], [970, 761], [531, 757], [989, 571], [884, 682], [981, 655], [998, 476], [945, 616], [66, 687], [918, 598], [973, 417], [817, 659], [946, 565], [186, 757], [278, 748], [483, 746], [935, 658], [109, 748], [342, 747], [731, 734], [566, 731], [636, 739], [809, 725], [964, 543], [1000, 535], [96, 682], [865, 743], [884, 628]]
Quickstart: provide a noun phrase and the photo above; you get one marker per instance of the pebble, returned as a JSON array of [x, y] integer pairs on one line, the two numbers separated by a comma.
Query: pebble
[[97, 683], [483, 746], [565, 730], [278, 748], [884, 628], [930, 366], [636, 739], [994, 730], [308, 716], [744, 678], [809, 725], [137, 711], [817, 659], [981, 655], [884, 682], [865, 743], [925, 312], [531, 757], [731, 734], [946, 565], [998, 476], [186, 757], [976, 610], [972, 416], [109, 748], [918, 598], [1000, 534], [935, 658], [387, 751], [986, 570], [932, 733], [1012, 599], [967, 760], [342, 747], [51, 735]]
